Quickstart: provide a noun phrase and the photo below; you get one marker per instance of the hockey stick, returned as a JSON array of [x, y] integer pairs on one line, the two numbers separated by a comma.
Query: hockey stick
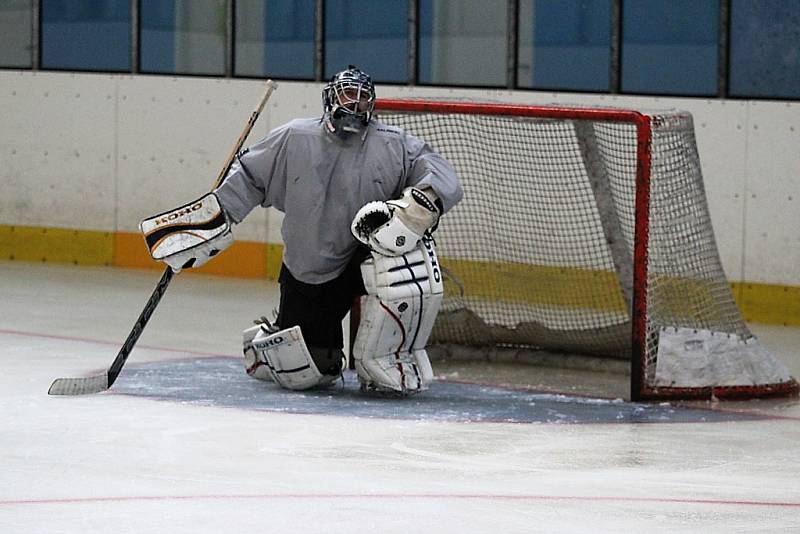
[[98, 383]]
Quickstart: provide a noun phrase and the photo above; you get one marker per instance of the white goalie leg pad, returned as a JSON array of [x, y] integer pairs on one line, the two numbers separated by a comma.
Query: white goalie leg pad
[[404, 294], [283, 357]]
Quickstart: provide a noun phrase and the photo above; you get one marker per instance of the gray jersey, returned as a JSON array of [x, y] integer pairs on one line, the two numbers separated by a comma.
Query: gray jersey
[[320, 181]]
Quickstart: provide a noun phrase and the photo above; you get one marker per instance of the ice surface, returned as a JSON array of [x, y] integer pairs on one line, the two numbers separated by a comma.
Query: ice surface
[[174, 447]]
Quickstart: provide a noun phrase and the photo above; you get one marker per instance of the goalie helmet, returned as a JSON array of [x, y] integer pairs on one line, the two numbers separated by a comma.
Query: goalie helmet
[[348, 100]]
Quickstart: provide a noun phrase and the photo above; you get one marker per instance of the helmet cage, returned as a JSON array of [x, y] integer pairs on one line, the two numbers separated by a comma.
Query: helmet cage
[[349, 97]]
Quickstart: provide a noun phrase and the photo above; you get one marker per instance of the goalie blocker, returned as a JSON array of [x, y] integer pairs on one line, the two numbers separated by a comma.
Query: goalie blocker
[[190, 235]]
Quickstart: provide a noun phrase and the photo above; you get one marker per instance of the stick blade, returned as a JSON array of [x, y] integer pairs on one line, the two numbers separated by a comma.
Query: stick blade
[[79, 386]]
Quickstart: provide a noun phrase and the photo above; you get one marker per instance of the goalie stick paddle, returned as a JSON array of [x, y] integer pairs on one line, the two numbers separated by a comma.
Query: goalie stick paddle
[[98, 383], [101, 382]]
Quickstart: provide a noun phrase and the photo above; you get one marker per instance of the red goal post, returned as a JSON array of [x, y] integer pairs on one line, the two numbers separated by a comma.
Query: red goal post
[[611, 162]]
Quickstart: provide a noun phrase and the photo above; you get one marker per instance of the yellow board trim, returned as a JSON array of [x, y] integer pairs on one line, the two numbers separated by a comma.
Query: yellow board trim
[[561, 287], [56, 245], [768, 303], [760, 303], [274, 259], [243, 259]]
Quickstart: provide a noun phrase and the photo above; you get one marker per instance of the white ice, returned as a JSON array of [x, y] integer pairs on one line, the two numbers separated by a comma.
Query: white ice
[[125, 464]]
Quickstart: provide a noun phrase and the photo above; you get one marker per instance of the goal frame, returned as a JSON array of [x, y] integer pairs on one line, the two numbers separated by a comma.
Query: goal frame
[[639, 389]]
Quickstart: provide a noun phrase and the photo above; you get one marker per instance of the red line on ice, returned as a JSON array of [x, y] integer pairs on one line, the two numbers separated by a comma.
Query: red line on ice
[[392, 496], [101, 342]]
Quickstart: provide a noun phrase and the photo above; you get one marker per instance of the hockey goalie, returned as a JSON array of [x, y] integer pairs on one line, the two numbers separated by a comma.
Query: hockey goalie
[[360, 200]]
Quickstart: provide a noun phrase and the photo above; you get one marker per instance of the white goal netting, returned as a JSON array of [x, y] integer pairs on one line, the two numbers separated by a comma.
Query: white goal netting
[[554, 247]]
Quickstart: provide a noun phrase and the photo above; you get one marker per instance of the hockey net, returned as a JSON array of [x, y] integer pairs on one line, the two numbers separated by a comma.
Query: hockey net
[[586, 231]]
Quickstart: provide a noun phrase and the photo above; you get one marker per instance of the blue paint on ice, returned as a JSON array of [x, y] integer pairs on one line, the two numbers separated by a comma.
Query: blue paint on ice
[[222, 382]]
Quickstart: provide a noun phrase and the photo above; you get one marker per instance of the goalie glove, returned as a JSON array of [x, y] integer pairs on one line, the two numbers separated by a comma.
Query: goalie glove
[[394, 227], [190, 235]]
